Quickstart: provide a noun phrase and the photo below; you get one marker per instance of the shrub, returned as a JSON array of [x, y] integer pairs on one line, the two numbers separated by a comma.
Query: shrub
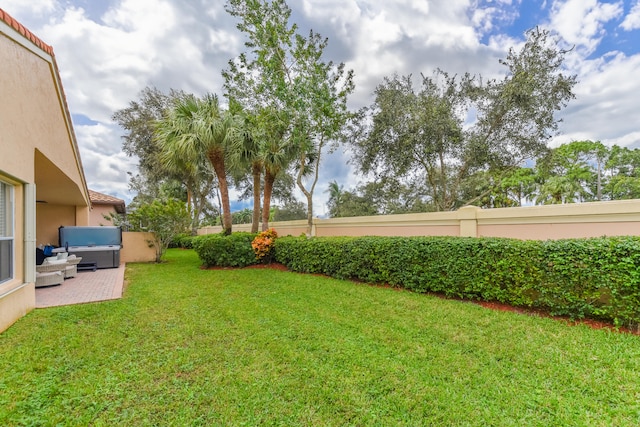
[[262, 245], [165, 219], [183, 241], [597, 278], [219, 250]]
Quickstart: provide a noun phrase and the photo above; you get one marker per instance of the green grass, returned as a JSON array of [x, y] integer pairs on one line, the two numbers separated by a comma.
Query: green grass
[[259, 347]]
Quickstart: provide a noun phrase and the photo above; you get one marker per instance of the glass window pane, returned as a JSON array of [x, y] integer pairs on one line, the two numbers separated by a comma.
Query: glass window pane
[[6, 260], [6, 232], [3, 208]]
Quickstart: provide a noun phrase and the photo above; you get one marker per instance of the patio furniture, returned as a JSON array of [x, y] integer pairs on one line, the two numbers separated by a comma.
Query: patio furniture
[[50, 274], [71, 270], [70, 263]]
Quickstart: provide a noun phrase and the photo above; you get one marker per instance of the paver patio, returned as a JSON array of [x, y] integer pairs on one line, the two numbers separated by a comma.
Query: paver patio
[[87, 286]]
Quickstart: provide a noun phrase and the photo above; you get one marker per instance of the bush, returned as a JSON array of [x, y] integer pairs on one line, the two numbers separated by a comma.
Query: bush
[[262, 245], [219, 250], [597, 278], [165, 219], [183, 241]]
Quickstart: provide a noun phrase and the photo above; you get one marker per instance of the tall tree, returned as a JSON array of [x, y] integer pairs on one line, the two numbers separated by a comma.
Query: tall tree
[[290, 211], [138, 120], [276, 154], [428, 133], [197, 128], [286, 78], [335, 198], [501, 190], [197, 178], [354, 204], [623, 173], [245, 155], [571, 173]]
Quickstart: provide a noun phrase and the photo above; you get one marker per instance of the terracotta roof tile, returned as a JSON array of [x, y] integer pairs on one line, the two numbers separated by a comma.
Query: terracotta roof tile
[[105, 199], [10, 21]]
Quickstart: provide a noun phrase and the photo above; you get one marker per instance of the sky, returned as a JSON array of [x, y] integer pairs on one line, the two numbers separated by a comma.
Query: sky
[[109, 50]]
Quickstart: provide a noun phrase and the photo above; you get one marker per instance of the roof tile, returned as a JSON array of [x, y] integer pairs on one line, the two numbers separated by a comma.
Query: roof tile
[[105, 199], [13, 23]]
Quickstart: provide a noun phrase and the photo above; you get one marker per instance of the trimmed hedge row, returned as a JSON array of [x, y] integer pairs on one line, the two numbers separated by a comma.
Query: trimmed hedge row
[[183, 241], [225, 251], [596, 278]]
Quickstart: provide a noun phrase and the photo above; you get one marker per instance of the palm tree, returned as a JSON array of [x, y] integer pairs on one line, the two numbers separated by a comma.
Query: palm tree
[[275, 151], [335, 198], [276, 156], [195, 175], [245, 154], [199, 127]]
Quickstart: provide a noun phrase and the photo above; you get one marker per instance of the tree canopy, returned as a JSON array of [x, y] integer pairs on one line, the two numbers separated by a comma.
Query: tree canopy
[[196, 129], [456, 126], [431, 145], [298, 100], [579, 171]]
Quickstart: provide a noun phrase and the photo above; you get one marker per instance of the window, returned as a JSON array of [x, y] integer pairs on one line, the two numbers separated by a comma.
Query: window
[[6, 232]]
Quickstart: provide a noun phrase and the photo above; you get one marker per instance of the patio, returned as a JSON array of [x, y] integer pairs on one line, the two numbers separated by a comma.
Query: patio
[[88, 286]]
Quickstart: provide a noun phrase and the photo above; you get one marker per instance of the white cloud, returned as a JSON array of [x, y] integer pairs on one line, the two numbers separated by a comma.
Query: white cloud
[[606, 103], [33, 7], [581, 22], [98, 138], [632, 20], [108, 53]]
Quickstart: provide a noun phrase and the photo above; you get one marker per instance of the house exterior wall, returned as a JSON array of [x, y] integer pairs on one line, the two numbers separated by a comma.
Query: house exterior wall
[[17, 296], [49, 218], [39, 153], [96, 217]]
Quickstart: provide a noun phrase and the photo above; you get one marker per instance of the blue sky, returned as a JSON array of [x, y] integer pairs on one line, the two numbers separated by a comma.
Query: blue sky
[[109, 50]]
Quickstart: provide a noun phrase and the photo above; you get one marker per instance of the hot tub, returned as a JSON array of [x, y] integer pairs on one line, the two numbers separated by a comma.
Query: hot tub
[[96, 245], [104, 256]]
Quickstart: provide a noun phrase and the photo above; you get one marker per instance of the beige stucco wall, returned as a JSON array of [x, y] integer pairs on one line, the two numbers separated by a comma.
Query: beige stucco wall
[[613, 218], [34, 118], [17, 296], [96, 217], [135, 247], [553, 231], [38, 149], [16, 303], [49, 218], [284, 228]]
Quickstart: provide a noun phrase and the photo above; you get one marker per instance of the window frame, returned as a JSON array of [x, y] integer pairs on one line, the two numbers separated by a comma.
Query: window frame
[[7, 231]]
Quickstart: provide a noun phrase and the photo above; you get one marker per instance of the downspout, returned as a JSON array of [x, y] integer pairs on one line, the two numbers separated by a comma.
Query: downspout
[[29, 233]]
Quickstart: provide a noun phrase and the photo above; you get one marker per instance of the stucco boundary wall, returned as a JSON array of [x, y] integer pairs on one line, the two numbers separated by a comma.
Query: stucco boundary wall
[[548, 222], [135, 247]]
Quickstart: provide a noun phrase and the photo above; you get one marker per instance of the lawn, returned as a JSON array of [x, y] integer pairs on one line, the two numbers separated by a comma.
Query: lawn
[[187, 346]]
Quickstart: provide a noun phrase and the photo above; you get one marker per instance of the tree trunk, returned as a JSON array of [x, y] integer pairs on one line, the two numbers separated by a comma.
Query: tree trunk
[[256, 169], [309, 193], [599, 185], [191, 209], [216, 157], [269, 178]]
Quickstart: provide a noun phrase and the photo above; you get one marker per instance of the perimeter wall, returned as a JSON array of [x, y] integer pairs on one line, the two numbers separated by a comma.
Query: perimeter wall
[[596, 219]]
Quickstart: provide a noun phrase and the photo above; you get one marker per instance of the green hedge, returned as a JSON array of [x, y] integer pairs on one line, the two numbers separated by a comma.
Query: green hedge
[[183, 241], [225, 251], [597, 278]]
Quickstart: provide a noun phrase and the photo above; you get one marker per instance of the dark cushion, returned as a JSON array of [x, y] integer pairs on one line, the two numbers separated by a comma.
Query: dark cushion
[[40, 256]]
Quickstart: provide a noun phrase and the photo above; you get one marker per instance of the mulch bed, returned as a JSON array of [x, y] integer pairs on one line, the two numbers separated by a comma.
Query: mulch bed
[[492, 305]]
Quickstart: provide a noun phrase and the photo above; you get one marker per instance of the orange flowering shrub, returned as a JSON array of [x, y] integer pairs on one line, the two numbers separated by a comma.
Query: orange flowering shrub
[[262, 245]]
